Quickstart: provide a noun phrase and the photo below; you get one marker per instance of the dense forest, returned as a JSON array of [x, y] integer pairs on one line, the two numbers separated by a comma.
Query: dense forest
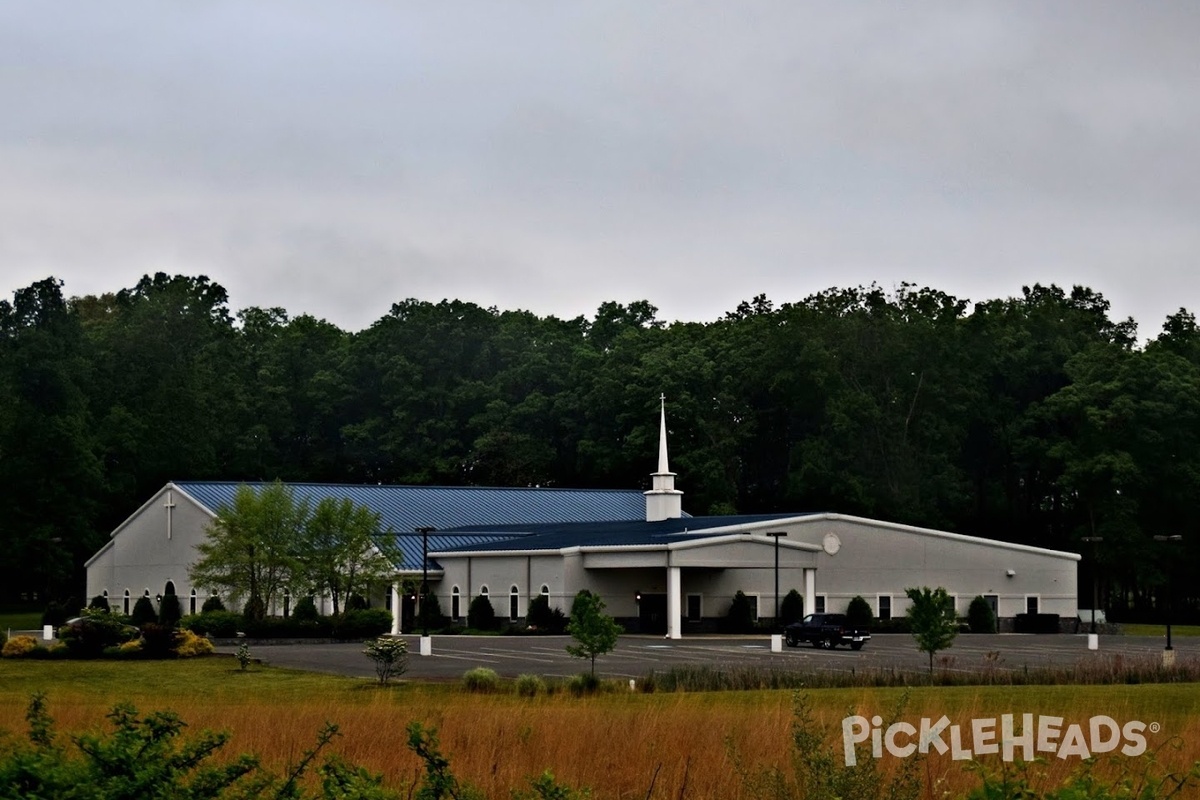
[[1033, 419]]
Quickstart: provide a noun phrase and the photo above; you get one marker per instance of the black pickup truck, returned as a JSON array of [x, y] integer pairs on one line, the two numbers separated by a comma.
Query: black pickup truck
[[825, 630]]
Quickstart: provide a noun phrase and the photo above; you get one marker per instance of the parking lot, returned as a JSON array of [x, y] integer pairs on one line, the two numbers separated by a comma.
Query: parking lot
[[636, 656]]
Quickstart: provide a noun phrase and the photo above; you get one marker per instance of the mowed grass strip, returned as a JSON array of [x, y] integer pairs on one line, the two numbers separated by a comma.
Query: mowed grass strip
[[612, 742], [1138, 629]]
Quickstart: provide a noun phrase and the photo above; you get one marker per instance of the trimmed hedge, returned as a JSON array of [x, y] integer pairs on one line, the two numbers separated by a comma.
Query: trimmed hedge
[[364, 624]]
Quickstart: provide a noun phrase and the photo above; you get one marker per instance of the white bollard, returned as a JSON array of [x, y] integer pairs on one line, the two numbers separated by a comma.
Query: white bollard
[[1168, 658], [632, 685], [776, 642], [426, 645], [1093, 641], [47, 632]]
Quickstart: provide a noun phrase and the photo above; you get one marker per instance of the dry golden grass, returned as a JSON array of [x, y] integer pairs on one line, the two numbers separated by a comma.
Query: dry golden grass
[[614, 743]]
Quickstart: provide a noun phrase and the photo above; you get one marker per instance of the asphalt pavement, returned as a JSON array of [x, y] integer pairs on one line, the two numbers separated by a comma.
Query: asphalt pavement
[[636, 656]]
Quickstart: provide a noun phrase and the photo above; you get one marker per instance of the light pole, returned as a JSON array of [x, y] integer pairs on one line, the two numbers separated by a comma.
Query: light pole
[[1169, 660], [775, 535], [1095, 568], [424, 530]]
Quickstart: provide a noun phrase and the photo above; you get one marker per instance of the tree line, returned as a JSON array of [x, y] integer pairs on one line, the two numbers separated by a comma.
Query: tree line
[[1035, 418]]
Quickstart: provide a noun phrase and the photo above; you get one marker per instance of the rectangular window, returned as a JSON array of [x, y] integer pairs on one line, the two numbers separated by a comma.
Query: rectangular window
[[754, 605], [819, 604], [993, 600], [885, 606], [513, 606], [693, 608], [454, 606], [1031, 604]]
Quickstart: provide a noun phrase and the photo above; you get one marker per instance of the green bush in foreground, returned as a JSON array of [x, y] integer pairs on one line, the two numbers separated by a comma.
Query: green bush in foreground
[[530, 685], [481, 679], [390, 657]]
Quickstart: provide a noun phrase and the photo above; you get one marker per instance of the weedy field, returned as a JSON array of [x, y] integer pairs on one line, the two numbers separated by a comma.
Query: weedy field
[[620, 743]]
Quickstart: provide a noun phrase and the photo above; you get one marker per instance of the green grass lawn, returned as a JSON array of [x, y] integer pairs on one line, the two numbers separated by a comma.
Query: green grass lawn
[[1131, 629], [25, 621]]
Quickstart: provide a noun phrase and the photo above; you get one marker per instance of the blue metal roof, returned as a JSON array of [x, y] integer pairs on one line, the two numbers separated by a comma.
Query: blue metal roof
[[607, 534], [403, 508]]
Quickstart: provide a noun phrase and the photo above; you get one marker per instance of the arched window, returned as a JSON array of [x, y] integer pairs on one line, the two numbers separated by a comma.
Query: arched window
[[455, 609], [146, 593], [126, 607], [192, 603], [545, 591], [169, 588], [514, 597]]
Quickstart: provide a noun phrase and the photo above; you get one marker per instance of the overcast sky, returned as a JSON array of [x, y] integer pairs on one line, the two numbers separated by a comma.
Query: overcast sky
[[335, 157]]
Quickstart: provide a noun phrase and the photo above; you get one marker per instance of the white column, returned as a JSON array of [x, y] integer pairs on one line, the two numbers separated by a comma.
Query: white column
[[395, 610], [810, 591], [674, 618]]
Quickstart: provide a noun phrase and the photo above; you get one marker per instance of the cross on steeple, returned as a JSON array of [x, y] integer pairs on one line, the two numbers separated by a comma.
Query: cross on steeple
[[169, 506]]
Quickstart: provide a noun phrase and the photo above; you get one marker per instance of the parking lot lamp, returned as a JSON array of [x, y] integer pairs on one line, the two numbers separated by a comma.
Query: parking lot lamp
[[775, 535], [1169, 649], [424, 530], [1095, 569]]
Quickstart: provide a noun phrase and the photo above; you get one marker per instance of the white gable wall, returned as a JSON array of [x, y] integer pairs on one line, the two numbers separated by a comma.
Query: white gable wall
[[880, 558], [140, 555]]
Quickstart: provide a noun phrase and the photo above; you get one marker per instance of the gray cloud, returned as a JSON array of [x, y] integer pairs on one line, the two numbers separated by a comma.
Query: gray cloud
[[336, 158]]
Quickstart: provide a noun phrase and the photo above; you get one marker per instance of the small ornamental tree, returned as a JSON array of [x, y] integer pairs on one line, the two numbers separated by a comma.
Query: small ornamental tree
[[980, 617], [390, 657], [143, 612], [481, 616], [594, 631], [933, 620], [305, 610], [542, 617], [740, 618], [170, 611], [430, 614], [791, 609], [858, 613]]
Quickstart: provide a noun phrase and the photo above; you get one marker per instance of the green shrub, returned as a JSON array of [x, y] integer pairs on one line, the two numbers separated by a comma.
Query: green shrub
[[306, 610], [390, 657], [980, 618], [212, 603], [88, 637], [362, 624], [99, 603], [158, 641], [218, 624], [480, 615], [530, 685], [169, 611], [356, 602], [858, 613], [740, 617], [481, 679], [143, 612], [544, 619], [583, 683], [430, 616], [791, 608]]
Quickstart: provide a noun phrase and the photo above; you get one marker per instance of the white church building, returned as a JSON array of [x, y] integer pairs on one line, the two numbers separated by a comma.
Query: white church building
[[657, 568]]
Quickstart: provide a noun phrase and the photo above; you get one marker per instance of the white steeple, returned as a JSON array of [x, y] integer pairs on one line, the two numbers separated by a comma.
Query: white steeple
[[663, 501]]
